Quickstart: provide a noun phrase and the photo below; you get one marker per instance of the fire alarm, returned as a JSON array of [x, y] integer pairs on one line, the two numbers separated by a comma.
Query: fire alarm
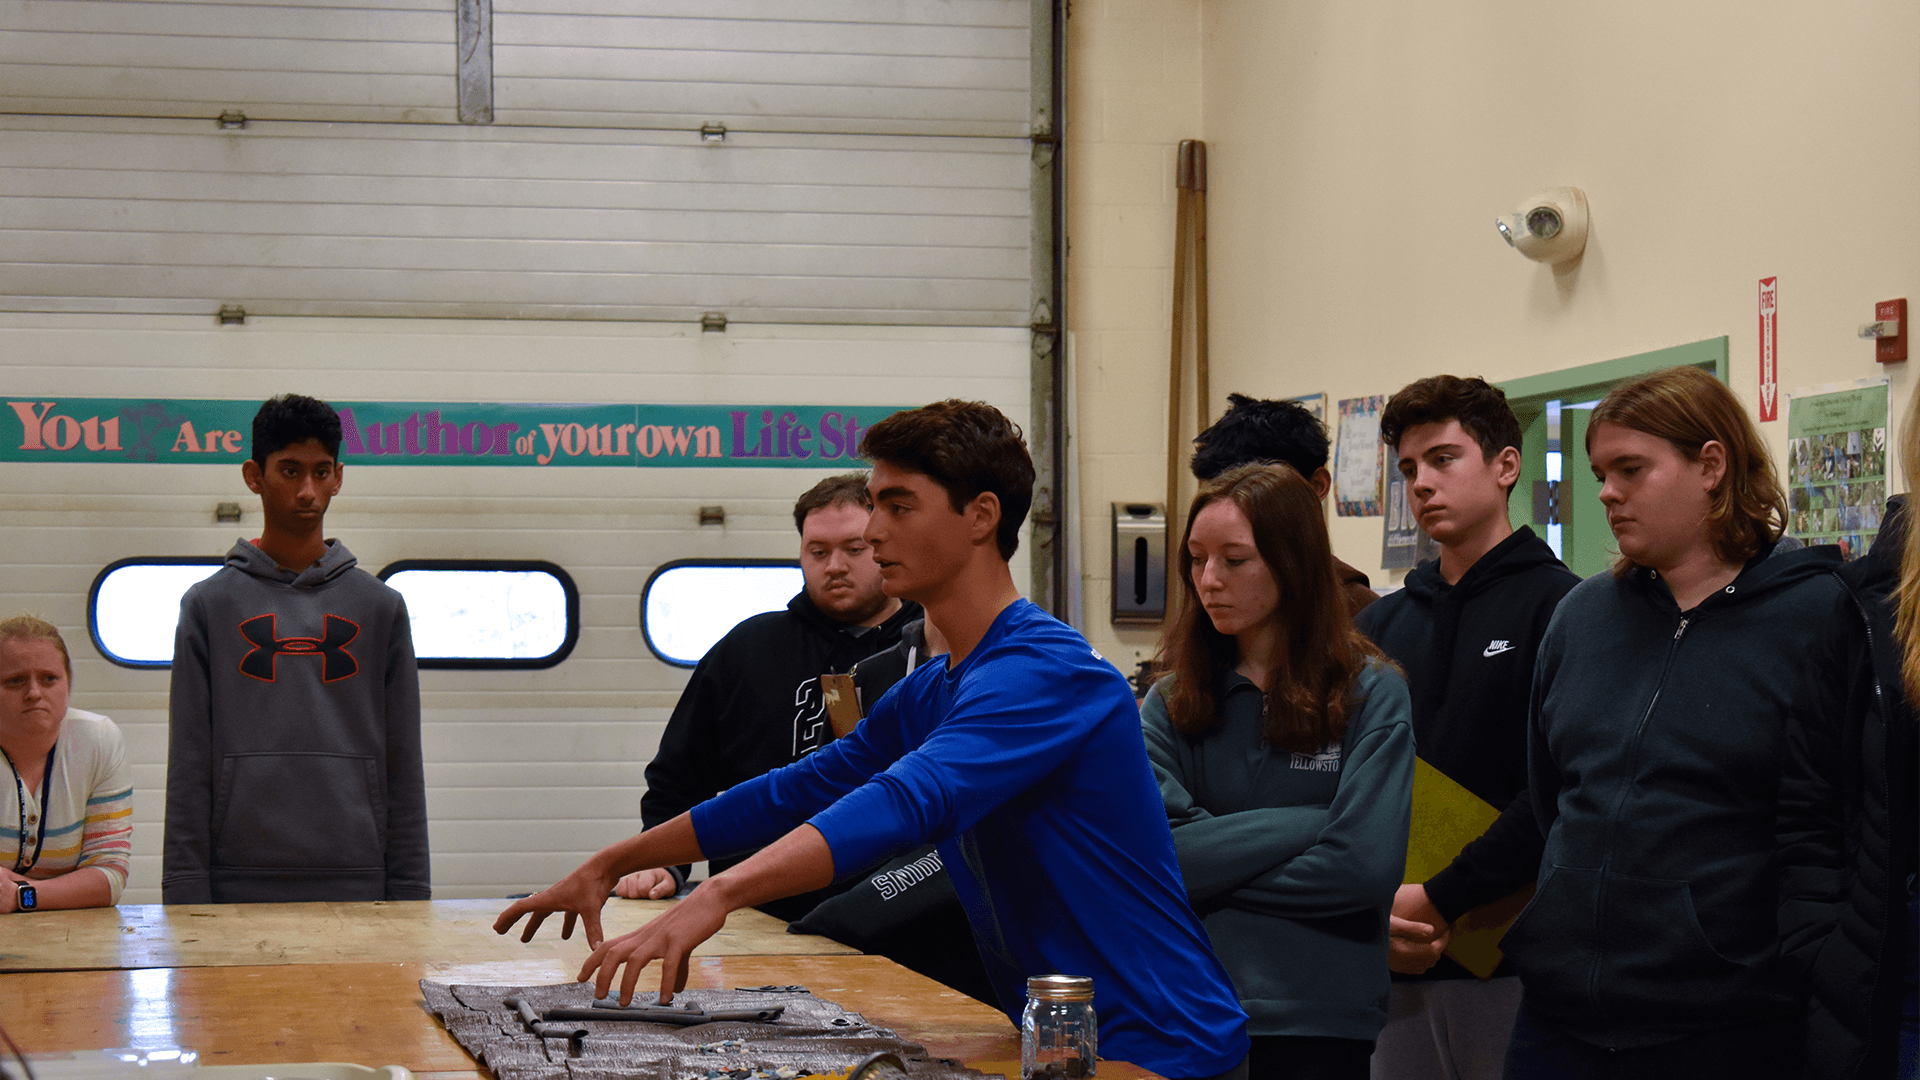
[[1889, 331]]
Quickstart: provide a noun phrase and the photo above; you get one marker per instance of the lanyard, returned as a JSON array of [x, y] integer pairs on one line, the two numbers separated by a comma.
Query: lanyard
[[20, 787]]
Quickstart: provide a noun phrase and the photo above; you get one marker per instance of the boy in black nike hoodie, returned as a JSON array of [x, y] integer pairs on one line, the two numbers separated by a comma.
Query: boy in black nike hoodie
[[1465, 629], [1657, 727], [293, 767]]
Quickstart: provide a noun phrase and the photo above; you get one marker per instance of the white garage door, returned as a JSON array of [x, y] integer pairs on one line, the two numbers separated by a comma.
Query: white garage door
[[860, 189], [856, 162]]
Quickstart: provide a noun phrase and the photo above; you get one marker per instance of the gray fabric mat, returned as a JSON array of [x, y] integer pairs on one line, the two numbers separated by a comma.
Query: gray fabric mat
[[812, 1037]]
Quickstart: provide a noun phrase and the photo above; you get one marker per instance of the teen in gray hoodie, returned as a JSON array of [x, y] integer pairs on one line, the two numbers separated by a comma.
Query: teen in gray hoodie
[[294, 768]]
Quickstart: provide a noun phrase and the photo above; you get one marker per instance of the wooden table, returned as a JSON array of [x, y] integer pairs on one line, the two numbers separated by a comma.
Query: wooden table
[[372, 1014], [425, 931], [256, 984]]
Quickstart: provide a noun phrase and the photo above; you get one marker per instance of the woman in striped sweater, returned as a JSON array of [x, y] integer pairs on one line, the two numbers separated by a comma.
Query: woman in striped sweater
[[66, 820]]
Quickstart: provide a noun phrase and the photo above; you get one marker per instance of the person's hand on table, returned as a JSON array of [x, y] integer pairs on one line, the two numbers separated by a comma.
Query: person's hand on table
[[670, 938], [647, 885], [580, 895], [1417, 935]]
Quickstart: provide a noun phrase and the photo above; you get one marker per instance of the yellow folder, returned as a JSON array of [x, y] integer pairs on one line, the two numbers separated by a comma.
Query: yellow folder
[[1446, 818]]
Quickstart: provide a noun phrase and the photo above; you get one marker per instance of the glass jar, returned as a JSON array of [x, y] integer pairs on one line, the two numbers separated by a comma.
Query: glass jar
[[1059, 1034]]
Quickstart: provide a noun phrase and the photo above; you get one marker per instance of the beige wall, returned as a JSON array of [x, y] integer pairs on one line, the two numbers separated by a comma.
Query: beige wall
[[1133, 93], [1360, 152]]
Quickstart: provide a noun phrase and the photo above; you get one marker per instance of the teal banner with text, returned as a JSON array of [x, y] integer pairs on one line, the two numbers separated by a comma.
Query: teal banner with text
[[178, 431]]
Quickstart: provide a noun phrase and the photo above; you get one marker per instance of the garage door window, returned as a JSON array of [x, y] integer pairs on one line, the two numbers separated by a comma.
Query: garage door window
[[134, 606], [488, 613], [691, 604]]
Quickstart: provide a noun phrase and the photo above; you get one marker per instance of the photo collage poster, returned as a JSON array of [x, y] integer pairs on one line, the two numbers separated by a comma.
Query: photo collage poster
[[1837, 467], [1359, 459]]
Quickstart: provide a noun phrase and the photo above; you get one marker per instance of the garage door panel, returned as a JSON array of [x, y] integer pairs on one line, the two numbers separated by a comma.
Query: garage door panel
[[869, 67], [906, 111], [529, 224], [260, 252], [317, 20], [460, 225], [711, 43], [959, 13], [428, 194], [859, 66], [81, 60], [666, 297], [829, 163], [308, 60], [329, 100]]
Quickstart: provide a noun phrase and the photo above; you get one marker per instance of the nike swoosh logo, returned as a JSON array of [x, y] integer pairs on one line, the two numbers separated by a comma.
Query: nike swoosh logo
[[1491, 650]]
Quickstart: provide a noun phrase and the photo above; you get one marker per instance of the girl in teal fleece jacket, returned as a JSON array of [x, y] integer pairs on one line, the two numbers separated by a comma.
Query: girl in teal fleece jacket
[[1284, 748]]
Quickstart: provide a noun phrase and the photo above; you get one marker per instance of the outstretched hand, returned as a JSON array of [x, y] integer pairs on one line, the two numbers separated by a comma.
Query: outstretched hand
[[580, 895], [670, 939]]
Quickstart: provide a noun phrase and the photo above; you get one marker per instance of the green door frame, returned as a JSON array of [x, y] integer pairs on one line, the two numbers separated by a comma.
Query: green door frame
[[1584, 537]]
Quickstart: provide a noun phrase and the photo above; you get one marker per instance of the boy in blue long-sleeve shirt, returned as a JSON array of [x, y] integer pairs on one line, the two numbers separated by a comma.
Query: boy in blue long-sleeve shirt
[[1021, 757]]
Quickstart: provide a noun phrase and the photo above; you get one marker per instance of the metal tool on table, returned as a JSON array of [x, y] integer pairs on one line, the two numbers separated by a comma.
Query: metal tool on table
[[687, 1015], [538, 1024]]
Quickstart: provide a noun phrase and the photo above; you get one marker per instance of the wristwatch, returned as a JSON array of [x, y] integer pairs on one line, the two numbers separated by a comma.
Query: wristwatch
[[27, 898]]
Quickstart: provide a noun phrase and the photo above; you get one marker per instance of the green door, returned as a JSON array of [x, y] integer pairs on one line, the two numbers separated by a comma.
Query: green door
[[1579, 530]]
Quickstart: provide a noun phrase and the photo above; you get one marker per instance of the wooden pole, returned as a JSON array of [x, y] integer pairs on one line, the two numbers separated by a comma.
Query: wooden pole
[[1183, 220]]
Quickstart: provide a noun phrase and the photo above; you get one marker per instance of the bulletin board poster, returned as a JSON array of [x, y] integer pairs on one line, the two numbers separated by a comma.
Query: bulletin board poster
[[1359, 459], [1837, 467], [1313, 403]]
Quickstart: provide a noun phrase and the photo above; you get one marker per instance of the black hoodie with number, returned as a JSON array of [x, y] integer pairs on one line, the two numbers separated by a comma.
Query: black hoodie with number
[[754, 704], [1468, 650]]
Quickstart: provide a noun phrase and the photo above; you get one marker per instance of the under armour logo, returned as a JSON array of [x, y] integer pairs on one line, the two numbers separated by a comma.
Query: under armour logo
[[336, 662], [1496, 647]]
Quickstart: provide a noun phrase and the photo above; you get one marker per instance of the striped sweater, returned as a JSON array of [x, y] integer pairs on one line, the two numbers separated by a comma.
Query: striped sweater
[[88, 800]]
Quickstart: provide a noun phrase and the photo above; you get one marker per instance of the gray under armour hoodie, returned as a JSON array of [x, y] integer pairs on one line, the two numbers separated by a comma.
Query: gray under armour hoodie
[[293, 765]]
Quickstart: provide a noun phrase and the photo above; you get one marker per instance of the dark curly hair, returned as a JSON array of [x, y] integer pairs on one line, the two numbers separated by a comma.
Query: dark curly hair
[[1255, 430], [966, 447], [1480, 407], [292, 418]]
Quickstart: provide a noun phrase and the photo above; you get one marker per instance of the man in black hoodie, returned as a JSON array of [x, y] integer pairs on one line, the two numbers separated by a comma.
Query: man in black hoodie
[[756, 701], [1465, 629]]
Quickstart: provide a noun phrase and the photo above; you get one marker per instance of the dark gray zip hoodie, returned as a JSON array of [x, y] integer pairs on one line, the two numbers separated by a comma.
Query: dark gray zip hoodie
[[293, 766], [1654, 761]]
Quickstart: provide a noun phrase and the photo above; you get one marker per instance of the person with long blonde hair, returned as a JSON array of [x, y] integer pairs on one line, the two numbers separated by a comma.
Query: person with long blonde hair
[[1283, 742], [1847, 819]]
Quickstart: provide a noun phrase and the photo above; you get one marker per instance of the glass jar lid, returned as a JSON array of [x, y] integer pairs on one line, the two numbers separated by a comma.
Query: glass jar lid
[[1060, 988]]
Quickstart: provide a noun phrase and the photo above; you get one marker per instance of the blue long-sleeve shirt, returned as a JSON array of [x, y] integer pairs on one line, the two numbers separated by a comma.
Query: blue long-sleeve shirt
[[1026, 765]]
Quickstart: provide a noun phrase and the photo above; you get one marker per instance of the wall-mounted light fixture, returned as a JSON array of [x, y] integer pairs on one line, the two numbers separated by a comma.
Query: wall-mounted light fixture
[[1551, 227]]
